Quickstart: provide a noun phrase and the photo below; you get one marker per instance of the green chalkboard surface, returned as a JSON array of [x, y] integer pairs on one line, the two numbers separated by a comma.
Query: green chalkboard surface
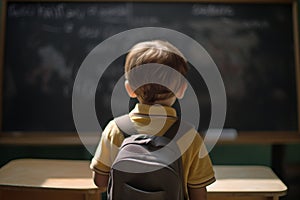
[[45, 43]]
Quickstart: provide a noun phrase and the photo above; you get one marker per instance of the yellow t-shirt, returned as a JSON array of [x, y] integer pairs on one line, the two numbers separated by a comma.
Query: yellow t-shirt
[[197, 169]]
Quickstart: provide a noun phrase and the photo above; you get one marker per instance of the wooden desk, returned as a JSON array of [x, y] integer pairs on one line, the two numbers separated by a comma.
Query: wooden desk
[[68, 179], [245, 183], [39, 179]]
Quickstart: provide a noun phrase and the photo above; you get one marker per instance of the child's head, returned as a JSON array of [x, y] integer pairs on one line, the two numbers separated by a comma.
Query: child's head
[[160, 52]]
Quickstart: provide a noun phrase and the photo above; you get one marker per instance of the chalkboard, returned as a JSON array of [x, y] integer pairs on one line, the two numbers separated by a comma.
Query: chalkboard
[[45, 43]]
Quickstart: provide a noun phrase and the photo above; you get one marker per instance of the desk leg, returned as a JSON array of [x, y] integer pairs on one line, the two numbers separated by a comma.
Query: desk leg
[[92, 196], [278, 154]]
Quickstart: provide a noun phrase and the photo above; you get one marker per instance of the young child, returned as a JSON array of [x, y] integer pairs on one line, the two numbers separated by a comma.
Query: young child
[[197, 170]]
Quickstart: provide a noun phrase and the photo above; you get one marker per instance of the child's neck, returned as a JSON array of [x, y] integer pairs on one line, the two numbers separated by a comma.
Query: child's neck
[[165, 102]]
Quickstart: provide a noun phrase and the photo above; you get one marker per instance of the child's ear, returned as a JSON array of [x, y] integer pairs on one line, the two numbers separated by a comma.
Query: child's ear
[[129, 90], [181, 91]]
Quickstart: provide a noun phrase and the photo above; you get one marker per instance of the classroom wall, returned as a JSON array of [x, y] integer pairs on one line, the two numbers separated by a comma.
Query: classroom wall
[[221, 154]]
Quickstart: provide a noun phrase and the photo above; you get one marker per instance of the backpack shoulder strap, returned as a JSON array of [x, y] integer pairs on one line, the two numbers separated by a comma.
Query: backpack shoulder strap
[[171, 132], [125, 125]]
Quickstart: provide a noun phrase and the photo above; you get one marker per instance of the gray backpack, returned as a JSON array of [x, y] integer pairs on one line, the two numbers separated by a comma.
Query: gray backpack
[[146, 167]]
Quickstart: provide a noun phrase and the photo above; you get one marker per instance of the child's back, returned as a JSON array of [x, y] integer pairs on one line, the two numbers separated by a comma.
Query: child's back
[[154, 114]]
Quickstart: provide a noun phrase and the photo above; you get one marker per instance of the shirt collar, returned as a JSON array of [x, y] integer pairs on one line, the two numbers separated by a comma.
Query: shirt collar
[[153, 110]]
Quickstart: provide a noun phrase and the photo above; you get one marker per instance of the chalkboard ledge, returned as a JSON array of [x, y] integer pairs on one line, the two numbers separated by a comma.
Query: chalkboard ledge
[[264, 137], [37, 139]]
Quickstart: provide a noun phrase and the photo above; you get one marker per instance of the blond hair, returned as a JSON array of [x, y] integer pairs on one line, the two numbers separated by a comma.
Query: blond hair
[[160, 52]]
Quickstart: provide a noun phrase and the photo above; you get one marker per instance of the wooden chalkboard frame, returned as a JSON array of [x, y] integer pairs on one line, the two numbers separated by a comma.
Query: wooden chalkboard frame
[[70, 138]]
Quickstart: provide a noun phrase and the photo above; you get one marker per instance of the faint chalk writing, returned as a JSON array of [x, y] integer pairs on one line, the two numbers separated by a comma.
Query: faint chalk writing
[[256, 24], [61, 10], [17, 11], [47, 12], [89, 32], [211, 10]]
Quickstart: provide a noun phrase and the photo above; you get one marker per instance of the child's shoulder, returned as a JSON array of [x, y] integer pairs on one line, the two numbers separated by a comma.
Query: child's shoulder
[[113, 133]]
